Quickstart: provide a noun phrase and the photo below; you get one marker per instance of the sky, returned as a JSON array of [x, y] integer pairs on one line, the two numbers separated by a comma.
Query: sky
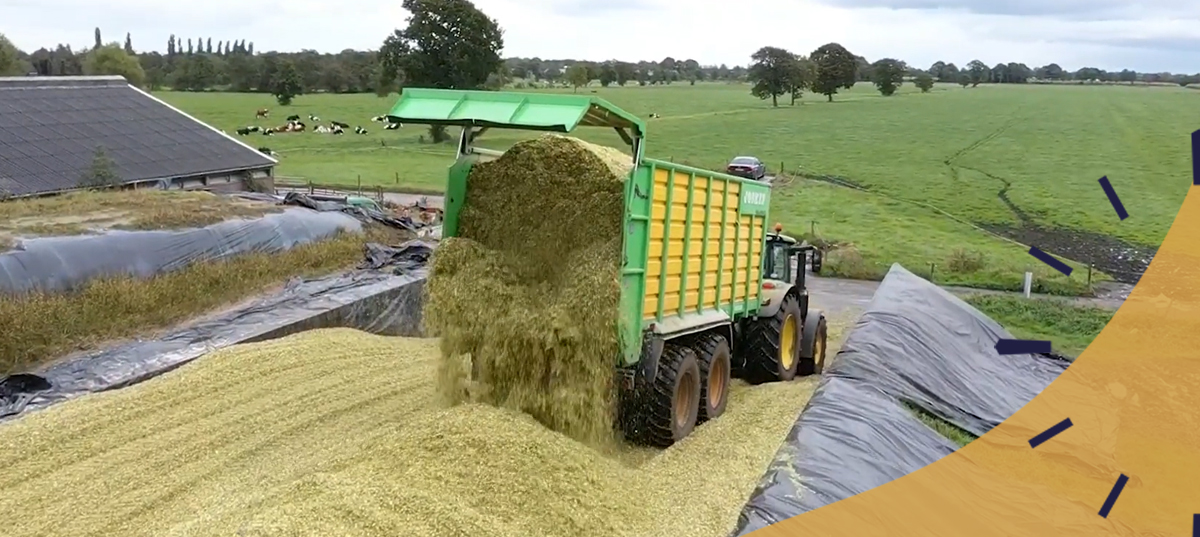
[[1147, 36]]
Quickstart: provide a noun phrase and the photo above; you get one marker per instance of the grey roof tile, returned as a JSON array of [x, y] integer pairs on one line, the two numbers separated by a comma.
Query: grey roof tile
[[50, 128]]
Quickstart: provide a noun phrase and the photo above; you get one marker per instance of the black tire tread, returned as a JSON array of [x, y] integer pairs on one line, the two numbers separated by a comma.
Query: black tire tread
[[659, 421], [762, 344], [706, 347]]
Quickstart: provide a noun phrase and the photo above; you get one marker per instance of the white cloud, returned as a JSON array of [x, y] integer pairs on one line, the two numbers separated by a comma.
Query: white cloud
[[709, 31]]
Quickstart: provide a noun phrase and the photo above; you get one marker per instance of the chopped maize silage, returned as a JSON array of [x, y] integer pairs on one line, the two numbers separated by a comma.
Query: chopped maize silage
[[335, 432], [529, 289]]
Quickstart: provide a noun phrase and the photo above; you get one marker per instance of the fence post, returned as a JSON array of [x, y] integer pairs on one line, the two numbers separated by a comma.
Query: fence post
[[1028, 283], [932, 267], [311, 191], [360, 184], [1089, 281], [812, 229], [397, 177], [780, 168]]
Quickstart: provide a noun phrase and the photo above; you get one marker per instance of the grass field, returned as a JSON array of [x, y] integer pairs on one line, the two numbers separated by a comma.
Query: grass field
[[941, 168]]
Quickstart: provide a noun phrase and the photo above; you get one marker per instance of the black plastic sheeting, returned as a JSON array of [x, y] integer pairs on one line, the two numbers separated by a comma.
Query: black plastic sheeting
[[362, 213], [916, 344], [386, 302], [55, 264]]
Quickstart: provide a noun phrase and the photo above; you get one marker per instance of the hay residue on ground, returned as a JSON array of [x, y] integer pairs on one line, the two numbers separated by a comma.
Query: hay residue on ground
[[527, 294], [337, 432]]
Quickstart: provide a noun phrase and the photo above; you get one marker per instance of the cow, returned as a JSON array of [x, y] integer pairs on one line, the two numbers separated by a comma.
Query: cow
[[392, 126], [321, 129], [359, 130], [340, 124], [244, 131], [262, 113], [267, 151], [337, 129], [379, 119], [294, 117], [268, 132], [314, 119], [655, 116]]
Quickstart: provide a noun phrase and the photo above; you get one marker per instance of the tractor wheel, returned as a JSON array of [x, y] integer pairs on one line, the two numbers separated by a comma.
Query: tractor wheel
[[772, 351], [713, 357], [812, 350], [673, 399]]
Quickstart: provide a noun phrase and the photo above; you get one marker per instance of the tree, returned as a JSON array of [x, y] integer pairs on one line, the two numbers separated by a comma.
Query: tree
[[208, 46], [102, 172], [836, 68], [577, 76], [625, 73], [286, 84], [189, 49], [964, 79], [171, 47], [801, 78], [608, 74], [447, 44], [129, 44], [924, 82], [888, 75], [978, 71], [938, 71], [111, 59], [98, 42], [772, 73], [10, 59]]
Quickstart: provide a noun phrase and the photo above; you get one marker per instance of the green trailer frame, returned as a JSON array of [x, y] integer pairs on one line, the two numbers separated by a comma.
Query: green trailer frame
[[667, 344], [477, 111]]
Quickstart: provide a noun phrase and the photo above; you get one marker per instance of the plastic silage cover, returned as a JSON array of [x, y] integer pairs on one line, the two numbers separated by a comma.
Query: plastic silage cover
[[64, 263], [915, 343]]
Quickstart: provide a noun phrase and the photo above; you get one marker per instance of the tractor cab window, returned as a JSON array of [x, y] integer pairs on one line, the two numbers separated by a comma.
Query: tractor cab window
[[778, 265]]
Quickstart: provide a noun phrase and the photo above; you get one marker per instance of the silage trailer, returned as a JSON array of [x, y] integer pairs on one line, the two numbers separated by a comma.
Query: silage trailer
[[707, 291]]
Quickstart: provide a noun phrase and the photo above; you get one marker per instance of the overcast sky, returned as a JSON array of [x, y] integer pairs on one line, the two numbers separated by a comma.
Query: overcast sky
[[1151, 35]]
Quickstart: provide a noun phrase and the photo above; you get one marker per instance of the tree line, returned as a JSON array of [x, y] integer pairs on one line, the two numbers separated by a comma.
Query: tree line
[[205, 64]]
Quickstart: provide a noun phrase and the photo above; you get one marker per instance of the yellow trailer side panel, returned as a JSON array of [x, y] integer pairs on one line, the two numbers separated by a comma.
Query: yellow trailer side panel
[[712, 258]]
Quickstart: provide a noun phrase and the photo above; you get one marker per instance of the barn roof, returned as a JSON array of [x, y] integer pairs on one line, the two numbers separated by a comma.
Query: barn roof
[[50, 128]]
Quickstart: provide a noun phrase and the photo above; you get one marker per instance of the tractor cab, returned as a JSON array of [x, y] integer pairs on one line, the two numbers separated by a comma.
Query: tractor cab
[[784, 258]]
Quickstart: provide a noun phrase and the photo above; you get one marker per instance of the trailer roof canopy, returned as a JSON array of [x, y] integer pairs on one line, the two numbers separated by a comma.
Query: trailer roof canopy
[[497, 109]]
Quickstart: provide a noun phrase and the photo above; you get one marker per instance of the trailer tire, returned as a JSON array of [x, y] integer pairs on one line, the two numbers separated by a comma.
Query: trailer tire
[[812, 353], [714, 359], [673, 399], [772, 348]]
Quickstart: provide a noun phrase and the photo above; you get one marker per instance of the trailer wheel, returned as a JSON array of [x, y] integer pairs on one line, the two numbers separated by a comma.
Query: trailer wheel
[[673, 400], [772, 351], [812, 354], [713, 357]]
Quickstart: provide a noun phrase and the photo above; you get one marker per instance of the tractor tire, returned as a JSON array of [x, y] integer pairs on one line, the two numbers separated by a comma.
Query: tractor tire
[[817, 260], [812, 349], [673, 399], [714, 359], [772, 349]]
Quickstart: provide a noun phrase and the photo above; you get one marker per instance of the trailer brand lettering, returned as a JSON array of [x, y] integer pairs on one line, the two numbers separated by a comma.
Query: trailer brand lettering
[[756, 198]]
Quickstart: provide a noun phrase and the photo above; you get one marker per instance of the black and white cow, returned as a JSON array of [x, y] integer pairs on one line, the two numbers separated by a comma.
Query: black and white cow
[[392, 126], [340, 124], [359, 130], [294, 117], [379, 119], [314, 118]]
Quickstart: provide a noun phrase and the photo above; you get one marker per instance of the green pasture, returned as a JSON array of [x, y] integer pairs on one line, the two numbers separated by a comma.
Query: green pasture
[[934, 163]]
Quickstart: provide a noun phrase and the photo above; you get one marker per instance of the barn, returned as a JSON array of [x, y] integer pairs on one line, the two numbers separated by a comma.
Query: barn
[[55, 132]]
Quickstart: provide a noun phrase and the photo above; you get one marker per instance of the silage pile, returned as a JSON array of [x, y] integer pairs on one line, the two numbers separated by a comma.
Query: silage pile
[[335, 432], [527, 294]]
